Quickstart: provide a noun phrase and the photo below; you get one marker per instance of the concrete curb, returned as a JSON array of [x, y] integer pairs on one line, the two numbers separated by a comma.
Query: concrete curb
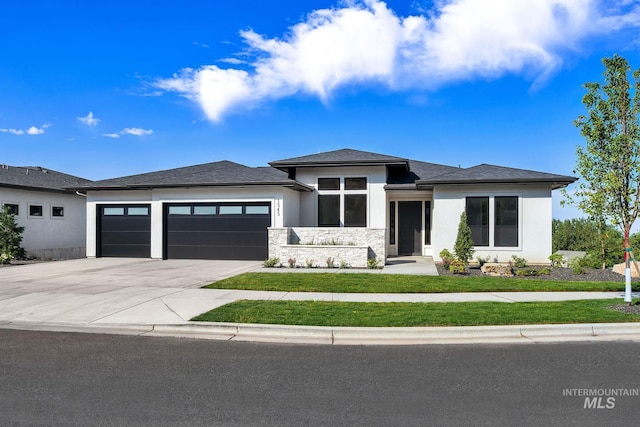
[[357, 336]]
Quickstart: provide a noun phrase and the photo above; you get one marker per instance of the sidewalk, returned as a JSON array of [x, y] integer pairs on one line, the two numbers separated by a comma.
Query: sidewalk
[[166, 312]]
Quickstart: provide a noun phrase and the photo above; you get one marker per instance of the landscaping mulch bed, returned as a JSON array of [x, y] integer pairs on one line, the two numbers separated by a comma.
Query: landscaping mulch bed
[[624, 308], [560, 273]]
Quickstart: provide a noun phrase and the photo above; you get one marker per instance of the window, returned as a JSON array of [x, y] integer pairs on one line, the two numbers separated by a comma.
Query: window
[[204, 210], [329, 210], [328, 183], [478, 219], [14, 209], [427, 222], [35, 210], [113, 211], [140, 211], [392, 223], [355, 210], [179, 210], [355, 183], [230, 210], [506, 221], [257, 210], [57, 211]]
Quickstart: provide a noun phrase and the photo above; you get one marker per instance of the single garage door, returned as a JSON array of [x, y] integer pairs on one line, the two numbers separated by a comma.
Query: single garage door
[[124, 231], [217, 230]]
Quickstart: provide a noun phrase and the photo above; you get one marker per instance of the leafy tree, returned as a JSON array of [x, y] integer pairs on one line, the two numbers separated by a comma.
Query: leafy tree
[[463, 248], [609, 164], [601, 242], [10, 236]]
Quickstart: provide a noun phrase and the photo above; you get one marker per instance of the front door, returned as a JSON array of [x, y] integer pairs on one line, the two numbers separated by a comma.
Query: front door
[[410, 228]]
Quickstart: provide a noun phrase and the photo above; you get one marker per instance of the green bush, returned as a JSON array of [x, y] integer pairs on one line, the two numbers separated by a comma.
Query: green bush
[[557, 260], [10, 237], [519, 262], [544, 272], [447, 258], [482, 261], [577, 266], [463, 247], [527, 272], [372, 263], [309, 263], [271, 262], [458, 267]]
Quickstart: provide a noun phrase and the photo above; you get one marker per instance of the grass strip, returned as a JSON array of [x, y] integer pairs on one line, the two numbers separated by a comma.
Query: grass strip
[[392, 283], [321, 313]]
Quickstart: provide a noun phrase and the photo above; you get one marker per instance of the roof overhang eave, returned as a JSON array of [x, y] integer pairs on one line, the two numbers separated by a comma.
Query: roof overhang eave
[[294, 185]]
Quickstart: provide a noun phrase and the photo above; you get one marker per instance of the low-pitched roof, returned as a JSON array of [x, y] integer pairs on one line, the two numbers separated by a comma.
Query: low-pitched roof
[[222, 173], [492, 174], [343, 157], [37, 178]]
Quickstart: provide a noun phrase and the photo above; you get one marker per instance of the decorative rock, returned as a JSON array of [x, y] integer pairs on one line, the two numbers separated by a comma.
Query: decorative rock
[[496, 269], [619, 268]]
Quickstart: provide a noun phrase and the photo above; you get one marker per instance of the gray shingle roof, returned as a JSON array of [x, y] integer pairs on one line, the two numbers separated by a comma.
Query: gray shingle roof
[[37, 178], [417, 171], [222, 173], [485, 173], [343, 157]]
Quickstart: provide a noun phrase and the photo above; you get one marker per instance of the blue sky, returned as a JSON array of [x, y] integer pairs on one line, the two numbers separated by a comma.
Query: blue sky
[[106, 89]]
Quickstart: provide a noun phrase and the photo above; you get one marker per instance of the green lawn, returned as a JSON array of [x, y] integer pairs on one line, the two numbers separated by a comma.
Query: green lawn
[[390, 283], [321, 313]]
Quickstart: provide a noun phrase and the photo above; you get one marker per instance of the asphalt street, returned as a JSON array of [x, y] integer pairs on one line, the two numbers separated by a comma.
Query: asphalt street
[[73, 379]]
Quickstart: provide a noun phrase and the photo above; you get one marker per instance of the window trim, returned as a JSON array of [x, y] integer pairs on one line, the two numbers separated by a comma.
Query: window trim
[[10, 203], [51, 211], [492, 215], [34, 205], [341, 192]]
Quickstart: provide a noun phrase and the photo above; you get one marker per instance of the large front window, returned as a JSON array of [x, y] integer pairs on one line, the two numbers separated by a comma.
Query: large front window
[[503, 219], [506, 221], [342, 202]]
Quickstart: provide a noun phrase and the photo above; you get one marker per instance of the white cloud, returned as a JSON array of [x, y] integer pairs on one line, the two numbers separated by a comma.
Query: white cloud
[[136, 131], [33, 130], [129, 131], [13, 131], [367, 42], [89, 120]]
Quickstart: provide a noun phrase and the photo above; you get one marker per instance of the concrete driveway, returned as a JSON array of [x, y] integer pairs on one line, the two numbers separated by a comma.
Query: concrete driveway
[[111, 290]]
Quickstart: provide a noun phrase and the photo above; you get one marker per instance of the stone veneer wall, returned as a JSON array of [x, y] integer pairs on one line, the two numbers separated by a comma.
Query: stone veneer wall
[[350, 245]]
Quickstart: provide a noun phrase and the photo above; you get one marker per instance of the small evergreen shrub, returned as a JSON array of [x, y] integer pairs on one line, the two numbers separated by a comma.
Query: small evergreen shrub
[[519, 262], [544, 272], [577, 266], [271, 262], [372, 263], [526, 272], [447, 257], [463, 247], [557, 260], [457, 267]]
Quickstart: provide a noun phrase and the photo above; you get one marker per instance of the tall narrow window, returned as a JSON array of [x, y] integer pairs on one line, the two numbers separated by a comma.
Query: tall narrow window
[[427, 222], [328, 210], [506, 221], [392, 223], [478, 219]]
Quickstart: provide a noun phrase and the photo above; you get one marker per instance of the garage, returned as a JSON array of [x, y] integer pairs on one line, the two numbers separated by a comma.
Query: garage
[[124, 231], [229, 231]]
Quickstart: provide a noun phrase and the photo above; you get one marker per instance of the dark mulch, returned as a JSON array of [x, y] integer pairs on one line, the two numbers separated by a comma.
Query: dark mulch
[[624, 308], [562, 274]]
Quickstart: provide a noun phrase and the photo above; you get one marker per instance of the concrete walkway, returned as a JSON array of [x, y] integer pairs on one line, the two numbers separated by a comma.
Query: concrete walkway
[[148, 297]]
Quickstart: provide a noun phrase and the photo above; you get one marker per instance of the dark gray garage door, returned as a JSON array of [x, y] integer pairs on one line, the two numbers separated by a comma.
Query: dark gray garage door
[[124, 231], [217, 230]]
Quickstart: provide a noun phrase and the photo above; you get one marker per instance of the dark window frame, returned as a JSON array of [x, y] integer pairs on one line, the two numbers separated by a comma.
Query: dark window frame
[[57, 211], [427, 222], [355, 210], [392, 223], [36, 211], [355, 183], [14, 208], [326, 184], [326, 218], [506, 222], [479, 226]]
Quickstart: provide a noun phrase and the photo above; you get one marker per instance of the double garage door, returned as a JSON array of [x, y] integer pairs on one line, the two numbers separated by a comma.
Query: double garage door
[[190, 231]]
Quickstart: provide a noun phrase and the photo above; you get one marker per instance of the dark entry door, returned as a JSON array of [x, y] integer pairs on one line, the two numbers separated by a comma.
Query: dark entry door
[[217, 230], [409, 228], [124, 231]]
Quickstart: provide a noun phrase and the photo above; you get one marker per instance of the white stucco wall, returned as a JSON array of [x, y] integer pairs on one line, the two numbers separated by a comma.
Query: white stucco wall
[[47, 236], [283, 200], [376, 197], [535, 216]]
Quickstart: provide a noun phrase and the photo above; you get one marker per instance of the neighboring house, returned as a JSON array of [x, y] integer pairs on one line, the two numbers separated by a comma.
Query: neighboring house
[[53, 216], [347, 205]]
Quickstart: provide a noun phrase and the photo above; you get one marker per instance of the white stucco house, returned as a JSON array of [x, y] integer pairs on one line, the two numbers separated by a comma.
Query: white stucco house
[[54, 217], [347, 205]]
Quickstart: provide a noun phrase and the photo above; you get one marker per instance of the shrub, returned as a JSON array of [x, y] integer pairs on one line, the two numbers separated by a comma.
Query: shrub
[[372, 263], [10, 236], [557, 260], [519, 262], [463, 248], [527, 272], [482, 261], [292, 262], [544, 272], [577, 266], [447, 257], [309, 263], [271, 262], [458, 267], [330, 263], [344, 264]]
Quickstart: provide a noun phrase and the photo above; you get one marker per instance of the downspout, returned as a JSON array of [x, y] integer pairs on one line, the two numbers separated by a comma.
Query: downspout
[[80, 194]]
